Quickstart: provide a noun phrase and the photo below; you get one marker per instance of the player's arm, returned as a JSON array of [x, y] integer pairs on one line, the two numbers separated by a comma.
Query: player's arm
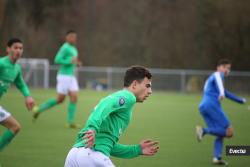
[[235, 98], [126, 151], [62, 59], [219, 85], [21, 85], [146, 147], [79, 63]]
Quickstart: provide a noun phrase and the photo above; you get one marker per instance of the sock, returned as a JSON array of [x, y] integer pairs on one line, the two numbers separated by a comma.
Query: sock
[[215, 131], [71, 112], [218, 147], [6, 138], [50, 103]]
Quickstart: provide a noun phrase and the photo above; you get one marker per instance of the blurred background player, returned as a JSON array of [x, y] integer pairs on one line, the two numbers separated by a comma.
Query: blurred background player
[[109, 119], [212, 112], [10, 72], [67, 58]]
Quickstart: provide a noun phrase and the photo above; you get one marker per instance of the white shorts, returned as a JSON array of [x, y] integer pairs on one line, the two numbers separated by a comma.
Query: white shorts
[[3, 114], [66, 84], [85, 157]]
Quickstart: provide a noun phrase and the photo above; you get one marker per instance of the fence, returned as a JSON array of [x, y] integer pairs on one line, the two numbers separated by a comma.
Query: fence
[[101, 78]]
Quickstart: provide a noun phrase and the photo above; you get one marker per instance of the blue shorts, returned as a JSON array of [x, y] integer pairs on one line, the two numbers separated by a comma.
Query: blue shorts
[[213, 115]]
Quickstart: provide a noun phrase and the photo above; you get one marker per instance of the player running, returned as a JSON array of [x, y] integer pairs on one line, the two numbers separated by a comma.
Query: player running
[[99, 138], [210, 108], [67, 58], [10, 72]]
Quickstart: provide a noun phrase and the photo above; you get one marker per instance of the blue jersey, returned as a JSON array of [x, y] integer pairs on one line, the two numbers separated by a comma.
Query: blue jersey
[[214, 88]]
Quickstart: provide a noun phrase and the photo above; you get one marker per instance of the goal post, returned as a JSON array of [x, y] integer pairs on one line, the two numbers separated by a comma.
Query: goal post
[[35, 71]]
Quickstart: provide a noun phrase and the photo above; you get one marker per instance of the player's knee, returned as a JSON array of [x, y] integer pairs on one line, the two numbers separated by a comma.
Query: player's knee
[[15, 128], [60, 100], [73, 100], [73, 97], [230, 135], [229, 132]]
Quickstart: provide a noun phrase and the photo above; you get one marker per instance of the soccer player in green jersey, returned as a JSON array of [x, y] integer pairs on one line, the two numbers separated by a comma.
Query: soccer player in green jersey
[[67, 58], [10, 72], [109, 119]]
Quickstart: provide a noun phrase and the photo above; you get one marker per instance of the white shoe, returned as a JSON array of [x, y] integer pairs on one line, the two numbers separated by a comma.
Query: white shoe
[[199, 133], [217, 161]]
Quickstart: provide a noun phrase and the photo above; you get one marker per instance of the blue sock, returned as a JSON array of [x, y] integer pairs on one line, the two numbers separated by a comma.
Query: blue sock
[[218, 147], [215, 131]]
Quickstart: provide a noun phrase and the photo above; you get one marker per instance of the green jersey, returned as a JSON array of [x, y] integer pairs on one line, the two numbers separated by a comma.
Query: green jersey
[[109, 119], [11, 73], [64, 58]]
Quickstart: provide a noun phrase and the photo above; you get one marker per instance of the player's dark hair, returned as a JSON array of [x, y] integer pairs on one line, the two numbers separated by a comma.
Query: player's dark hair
[[223, 62], [137, 73], [70, 31], [12, 41]]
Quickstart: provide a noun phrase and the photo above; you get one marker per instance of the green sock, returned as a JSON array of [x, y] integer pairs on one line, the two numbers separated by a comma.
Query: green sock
[[6, 138], [48, 104], [71, 112]]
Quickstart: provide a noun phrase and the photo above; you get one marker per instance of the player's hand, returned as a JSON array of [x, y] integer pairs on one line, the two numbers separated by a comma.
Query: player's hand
[[221, 97], [79, 63], [74, 60], [149, 147], [29, 102], [90, 136]]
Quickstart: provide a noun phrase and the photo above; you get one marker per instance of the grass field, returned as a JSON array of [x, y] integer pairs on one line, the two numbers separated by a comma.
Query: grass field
[[169, 118]]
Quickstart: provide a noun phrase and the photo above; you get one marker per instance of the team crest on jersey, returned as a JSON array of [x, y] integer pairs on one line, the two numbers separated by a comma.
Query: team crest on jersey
[[121, 101]]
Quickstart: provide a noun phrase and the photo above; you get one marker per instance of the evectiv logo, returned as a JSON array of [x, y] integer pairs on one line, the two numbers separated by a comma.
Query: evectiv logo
[[237, 150]]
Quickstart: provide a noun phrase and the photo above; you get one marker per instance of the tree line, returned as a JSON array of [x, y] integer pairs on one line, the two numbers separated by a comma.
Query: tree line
[[181, 34]]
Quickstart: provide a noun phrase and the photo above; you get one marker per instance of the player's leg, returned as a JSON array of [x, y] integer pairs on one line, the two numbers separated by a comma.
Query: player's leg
[[52, 102], [218, 148], [62, 90], [216, 121], [212, 129], [222, 122], [47, 105], [72, 109], [229, 132], [205, 111], [73, 91], [217, 125], [13, 127]]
